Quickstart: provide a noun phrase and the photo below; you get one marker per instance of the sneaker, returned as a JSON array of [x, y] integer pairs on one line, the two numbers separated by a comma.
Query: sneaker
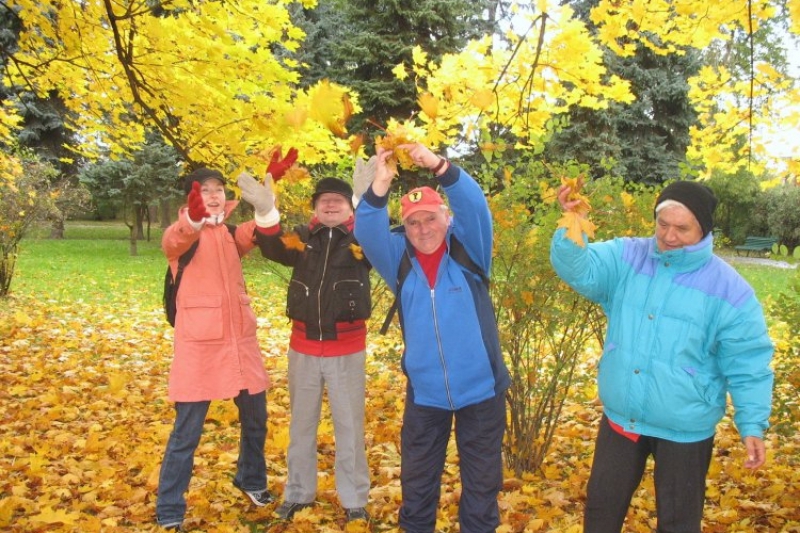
[[258, 497], [173, 526], [357, 513], [287, 509]]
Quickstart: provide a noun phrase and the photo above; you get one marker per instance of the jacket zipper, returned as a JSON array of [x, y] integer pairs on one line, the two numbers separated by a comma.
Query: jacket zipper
[[305, 287], [321, 280], [441, 350]]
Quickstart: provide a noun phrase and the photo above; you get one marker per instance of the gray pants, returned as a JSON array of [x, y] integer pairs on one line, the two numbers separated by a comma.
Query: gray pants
[[345, 379]]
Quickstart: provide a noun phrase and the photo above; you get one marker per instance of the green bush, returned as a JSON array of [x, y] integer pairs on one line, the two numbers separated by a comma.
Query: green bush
[[783, 214], [545, 326], [786, 362]]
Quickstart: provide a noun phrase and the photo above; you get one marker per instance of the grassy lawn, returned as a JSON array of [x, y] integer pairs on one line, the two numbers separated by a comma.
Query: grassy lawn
[[96, 255], [96, 258]]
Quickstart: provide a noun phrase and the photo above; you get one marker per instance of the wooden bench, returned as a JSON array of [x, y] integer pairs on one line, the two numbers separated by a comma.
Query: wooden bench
[[755, 244]]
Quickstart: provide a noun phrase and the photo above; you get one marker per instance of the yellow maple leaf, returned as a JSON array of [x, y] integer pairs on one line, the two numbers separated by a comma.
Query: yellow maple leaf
[[482, 99], [429, 105], [576, 219], [292, 241], [356, 250], [296, 173], [400, 72], [6, 511], [576, 226], [56, 516], [296, 117], [331, 107]]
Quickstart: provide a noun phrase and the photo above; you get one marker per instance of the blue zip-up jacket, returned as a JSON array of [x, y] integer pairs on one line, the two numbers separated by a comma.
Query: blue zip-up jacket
[[684, 330], [452, 355]]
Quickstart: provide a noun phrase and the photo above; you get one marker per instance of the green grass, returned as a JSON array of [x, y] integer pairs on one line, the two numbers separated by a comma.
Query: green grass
[[95, 258], [767, 281]]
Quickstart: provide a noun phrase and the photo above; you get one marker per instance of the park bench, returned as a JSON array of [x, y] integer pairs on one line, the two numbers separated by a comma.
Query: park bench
[[755, 244]]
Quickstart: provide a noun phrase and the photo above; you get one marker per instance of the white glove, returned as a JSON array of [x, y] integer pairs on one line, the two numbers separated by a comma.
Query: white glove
[[261, 197], [363, 175]]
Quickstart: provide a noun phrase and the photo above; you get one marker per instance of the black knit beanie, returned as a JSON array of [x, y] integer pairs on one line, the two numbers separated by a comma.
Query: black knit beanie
[[698, 198]]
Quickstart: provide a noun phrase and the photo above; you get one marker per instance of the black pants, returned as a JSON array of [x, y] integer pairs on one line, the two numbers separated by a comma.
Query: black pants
[[479, 439], [617, 469]]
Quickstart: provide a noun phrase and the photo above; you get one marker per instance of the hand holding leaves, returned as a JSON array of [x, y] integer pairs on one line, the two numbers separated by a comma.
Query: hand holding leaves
[[277, 166], [576, 210]]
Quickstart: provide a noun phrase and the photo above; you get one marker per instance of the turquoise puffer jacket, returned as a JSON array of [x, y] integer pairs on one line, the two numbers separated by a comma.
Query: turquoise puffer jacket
[[684, 331]]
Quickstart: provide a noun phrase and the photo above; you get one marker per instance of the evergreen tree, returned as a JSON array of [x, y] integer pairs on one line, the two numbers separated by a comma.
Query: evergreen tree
[[644, 141], [357, 43]]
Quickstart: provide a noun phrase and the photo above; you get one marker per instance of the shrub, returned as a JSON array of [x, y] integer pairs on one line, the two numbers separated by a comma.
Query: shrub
[[545, 326], [26, 198]]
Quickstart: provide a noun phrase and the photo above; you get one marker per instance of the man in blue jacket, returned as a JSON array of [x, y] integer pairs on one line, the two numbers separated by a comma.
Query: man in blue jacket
[[684, 331], [452, 356]]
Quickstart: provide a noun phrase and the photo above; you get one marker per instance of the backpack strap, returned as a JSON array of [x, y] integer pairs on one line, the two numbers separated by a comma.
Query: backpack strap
[[402, 271], [187, 256], [457, 252]]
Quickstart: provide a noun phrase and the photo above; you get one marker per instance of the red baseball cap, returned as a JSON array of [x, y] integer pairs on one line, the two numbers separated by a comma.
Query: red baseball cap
[[420, 199]]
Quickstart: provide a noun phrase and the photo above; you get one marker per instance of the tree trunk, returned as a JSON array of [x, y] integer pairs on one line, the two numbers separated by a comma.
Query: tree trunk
[[7, 263], [166, 213], [57, 227], [134, 248]]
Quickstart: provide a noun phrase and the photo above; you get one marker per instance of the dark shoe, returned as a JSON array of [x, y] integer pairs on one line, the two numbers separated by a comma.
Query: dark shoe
[[258, 497], [358, 513], [287, 509]]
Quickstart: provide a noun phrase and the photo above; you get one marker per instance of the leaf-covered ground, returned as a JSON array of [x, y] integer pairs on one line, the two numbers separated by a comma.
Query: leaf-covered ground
[[84, 421]]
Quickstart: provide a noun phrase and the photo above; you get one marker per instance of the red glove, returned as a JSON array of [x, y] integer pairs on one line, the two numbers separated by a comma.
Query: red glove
[[197, 208], [277, 166]]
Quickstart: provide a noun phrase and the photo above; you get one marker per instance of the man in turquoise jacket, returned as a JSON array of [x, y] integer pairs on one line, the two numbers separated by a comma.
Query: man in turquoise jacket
[[452, 355], [684, 331]]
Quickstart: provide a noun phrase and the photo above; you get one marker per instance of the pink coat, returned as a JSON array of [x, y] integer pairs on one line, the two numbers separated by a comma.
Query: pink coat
[[216, 353]]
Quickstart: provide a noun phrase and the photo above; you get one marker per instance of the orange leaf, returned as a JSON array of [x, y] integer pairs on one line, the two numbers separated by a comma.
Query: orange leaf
[[356, 142], [390, 142], [292, 242], [356, 250]]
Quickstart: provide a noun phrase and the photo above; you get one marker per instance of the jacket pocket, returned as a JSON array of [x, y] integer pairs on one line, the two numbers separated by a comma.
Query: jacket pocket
[[349, 301], [201, 317], [249, 322], [297, 300]]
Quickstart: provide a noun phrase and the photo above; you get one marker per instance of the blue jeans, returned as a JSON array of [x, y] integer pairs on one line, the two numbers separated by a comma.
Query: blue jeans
[[176, 469]]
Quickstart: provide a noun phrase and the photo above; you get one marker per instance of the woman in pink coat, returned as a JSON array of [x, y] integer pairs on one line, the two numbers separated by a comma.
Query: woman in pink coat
[[216, 353]]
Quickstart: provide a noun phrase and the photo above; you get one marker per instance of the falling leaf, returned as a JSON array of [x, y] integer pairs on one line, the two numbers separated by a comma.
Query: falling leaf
[[331, 107], [356, 142], [429, 105]]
